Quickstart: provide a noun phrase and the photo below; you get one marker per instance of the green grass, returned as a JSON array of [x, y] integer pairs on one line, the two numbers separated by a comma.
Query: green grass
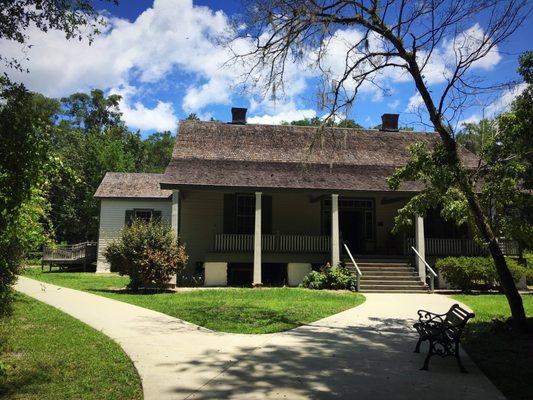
[[264, 310], [504, 355], [50, 355]]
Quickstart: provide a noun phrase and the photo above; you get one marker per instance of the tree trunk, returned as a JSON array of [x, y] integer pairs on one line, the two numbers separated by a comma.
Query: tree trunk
[[506, 279]]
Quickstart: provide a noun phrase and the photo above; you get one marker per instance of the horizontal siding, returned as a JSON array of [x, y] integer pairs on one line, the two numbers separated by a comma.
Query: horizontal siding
[[112, 217]]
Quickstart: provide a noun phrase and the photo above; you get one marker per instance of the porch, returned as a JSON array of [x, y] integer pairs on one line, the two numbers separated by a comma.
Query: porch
[[293, 232]]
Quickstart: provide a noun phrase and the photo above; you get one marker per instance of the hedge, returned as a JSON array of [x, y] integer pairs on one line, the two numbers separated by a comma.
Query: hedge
[[467, 273]]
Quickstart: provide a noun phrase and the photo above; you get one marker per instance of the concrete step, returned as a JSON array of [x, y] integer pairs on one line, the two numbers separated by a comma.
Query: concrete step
[[395, 286], [384, 271], [378, 265], [418, 291], [388, 273], [408, 278]]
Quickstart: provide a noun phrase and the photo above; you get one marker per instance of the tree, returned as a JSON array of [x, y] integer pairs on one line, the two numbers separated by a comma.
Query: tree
[[159, 147], [192, 117], [26, 123], [474, 135], [94, 111], [76, 18], [400, 37]]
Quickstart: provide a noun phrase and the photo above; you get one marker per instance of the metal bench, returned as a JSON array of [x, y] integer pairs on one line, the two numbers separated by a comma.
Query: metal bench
[[443, 331]]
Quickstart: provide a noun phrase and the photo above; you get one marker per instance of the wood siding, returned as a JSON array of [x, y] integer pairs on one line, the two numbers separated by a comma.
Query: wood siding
[[112, 217]]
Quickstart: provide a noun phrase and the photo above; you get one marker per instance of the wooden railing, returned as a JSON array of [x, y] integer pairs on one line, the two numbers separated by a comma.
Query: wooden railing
[[272, 243], [72, 252], [457, 247]]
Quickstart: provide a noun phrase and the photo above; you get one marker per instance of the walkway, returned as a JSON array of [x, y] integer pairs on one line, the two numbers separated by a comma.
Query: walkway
[[364, 352]]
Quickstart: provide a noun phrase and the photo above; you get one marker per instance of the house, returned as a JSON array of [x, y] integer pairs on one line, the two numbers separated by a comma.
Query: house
[[262, 204]]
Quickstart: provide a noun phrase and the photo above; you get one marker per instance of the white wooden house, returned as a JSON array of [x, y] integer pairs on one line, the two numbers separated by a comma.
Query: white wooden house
[[262, 204]]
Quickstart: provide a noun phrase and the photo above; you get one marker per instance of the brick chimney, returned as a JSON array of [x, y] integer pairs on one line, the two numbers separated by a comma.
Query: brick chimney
[[389, 122], [238, 115]]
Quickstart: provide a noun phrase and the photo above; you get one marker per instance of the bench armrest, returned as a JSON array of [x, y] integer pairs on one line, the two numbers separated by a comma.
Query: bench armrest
[[428, 316]]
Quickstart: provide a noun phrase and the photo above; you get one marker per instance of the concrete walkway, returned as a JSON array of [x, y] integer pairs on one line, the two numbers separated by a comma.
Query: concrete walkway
[[364, 352]]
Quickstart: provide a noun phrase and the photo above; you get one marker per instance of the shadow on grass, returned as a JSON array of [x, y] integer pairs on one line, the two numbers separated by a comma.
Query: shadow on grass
[[504, 354]]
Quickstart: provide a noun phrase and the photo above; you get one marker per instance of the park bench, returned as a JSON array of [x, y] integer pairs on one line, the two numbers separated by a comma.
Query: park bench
[[443, 331]]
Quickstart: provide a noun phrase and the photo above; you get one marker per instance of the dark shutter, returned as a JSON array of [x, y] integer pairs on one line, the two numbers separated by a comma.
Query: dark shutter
[[128, 217], [156, 215], [229, 213], [266, 214]]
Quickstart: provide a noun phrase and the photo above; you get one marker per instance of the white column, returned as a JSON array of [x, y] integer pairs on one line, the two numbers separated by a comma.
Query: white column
[[257, 241], [420, 246], [175, 211], [335, 237]]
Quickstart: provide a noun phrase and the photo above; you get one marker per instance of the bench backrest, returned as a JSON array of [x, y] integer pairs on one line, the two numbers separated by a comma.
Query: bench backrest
[[456, 318]]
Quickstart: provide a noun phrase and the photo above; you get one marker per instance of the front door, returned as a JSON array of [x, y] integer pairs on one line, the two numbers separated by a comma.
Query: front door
[[351, 222], [356, 223]]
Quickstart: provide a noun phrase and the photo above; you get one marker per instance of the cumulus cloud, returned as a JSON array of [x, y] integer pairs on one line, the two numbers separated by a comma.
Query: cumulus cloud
[[136, 115], [500, 105], [289, 113], [415, 103], [175, 35]]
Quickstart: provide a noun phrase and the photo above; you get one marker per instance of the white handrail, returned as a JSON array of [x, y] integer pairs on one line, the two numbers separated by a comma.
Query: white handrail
[[353, 261], [424, 261]]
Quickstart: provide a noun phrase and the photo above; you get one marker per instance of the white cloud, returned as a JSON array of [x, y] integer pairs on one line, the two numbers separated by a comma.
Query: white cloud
[[468, 42], [394, 104], [287, 115], [137, 115], [415, 103], [500, 105]]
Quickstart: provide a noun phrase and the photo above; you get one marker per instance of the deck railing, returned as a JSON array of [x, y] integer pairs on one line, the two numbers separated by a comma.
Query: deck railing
[[457, 247], [272, 243], [72, 252]]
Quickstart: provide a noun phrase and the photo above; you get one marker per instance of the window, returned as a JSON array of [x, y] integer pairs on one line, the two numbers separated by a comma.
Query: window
[[245, 213], [143, 215]]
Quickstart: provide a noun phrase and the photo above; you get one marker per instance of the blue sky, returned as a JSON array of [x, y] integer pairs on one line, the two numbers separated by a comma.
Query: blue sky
[[163, 58]]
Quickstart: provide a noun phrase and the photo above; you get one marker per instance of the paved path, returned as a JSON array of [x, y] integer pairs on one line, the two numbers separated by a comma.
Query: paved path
[[364, 352]]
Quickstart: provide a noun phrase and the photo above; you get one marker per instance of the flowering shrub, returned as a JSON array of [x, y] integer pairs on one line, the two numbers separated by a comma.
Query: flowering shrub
[[330, 278], [148, 253]]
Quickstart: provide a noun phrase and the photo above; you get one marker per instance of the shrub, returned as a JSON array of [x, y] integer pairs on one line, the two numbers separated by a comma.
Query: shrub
[[148, 253], [467, 273], [330, 278]]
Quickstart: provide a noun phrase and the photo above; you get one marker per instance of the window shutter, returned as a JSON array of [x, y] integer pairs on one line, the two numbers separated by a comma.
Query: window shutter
[[229, 213], [156, 215], [266, 214], [128, 217]]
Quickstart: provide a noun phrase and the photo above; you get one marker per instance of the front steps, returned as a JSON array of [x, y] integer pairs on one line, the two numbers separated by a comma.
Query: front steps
[[388, 277]]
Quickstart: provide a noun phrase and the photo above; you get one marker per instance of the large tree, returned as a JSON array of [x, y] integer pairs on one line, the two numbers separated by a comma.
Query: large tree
[[403, 38]]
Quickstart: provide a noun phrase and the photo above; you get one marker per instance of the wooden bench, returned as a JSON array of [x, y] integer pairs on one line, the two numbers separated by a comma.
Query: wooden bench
[[443, 331]]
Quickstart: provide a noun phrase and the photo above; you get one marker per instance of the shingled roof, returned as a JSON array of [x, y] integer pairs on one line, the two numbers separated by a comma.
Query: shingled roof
[[132, 185], [214, 154]]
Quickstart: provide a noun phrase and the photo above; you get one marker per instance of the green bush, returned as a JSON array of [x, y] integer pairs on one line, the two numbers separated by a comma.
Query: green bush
[[330, 278], [467, 273], [148, 253]]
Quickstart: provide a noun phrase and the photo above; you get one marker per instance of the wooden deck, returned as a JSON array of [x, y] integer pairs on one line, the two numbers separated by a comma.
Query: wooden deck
[[72, 254]]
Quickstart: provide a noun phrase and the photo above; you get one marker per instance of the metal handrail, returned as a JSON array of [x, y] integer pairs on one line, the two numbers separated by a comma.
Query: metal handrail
[[359, 273], [433, 273]]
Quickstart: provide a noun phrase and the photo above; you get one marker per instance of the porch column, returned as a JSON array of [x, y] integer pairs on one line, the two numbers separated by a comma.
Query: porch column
[[335, 237], [175, 211], [257, 241], [420, 246]]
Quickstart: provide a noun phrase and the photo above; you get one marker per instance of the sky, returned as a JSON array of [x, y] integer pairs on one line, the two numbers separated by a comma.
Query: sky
[[165, 59]]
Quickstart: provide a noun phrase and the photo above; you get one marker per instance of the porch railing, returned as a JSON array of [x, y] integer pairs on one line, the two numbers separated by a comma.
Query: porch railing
[[458, 247], [272, 243]]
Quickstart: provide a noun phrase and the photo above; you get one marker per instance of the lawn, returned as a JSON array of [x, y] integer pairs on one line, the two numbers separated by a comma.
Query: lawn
[[264, 310], [505, 356], [50, 355]]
